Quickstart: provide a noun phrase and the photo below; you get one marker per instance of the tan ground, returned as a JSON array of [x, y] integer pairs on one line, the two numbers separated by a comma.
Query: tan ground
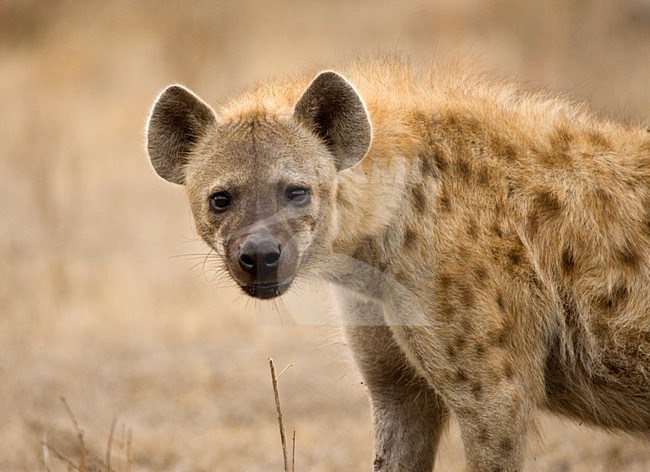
[[103, 300]]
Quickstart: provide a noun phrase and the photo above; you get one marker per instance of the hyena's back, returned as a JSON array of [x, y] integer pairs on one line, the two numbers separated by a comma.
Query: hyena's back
[[544, 211], [525, 203]]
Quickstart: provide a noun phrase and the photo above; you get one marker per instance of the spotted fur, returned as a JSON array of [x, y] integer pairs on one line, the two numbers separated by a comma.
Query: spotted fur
[[490, 253]]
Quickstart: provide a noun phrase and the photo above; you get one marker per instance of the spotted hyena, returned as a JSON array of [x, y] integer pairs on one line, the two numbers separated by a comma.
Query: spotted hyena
[[489, 248]]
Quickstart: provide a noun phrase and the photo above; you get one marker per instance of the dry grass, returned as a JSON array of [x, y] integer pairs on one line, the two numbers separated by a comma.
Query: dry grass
[[99, 302], [78, 459]]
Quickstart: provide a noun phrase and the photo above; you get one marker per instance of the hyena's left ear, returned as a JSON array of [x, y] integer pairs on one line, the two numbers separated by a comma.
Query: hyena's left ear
[[178, 119], [332, 109]]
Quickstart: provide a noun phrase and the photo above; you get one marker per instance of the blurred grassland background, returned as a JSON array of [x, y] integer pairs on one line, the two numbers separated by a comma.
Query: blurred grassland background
[[102, 300]]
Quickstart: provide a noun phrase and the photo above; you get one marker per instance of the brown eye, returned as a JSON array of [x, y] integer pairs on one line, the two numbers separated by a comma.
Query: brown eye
[[298, 196], [220, 201]]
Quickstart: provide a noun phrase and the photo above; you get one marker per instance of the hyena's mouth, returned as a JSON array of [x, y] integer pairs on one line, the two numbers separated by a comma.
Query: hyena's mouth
[[266, 291]]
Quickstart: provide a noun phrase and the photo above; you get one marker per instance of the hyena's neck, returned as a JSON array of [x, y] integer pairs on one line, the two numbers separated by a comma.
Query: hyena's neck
[[370, 199]]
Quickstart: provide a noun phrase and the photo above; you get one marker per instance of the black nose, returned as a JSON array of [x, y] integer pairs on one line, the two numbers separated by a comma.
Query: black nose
[[260, 255]]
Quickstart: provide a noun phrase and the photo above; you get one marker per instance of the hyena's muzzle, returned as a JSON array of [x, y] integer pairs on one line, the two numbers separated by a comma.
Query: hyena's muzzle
[[263, 260]]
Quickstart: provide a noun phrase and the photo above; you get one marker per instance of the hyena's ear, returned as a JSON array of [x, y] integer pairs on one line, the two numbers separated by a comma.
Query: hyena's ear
[[333, 110], [178, 119]]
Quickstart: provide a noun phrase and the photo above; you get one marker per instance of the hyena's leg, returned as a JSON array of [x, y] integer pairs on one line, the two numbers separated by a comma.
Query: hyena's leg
[[408, 415], [491, 393], [494, 429]]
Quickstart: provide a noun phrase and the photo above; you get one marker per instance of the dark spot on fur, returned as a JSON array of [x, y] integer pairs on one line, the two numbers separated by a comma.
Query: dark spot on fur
[[483, 176], [447, 310], [546, 206], [451, 352], [503, 338], [498, 337], [480, 349], [378, 464], [402, 276], [477, 390], [559, 151], [483, 435], [568, 262], [460, 343], [508, 371], [506, 445], [548, 203], [561, 139], [423, 119], [452, 120], [463, 169], [427, 166], [461, 376], [500, 302], [445, 282], [510, 191], [599, 141], [496, 230], [419, 199], [444, 202], [440, 161], [534, 280], [504, 149], [410, 238], [498, 209], [509, 152], [603, 196], [611, 301], [472, 228], [620, 293], [628, 256], [370, 251], [473, 125], [468, 298], [515, 256], [481, 275]]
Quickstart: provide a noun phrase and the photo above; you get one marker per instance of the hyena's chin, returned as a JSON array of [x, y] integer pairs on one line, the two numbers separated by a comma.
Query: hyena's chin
[[267, 291]]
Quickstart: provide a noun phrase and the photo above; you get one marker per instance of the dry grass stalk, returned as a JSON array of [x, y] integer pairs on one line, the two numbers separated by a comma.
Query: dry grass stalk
[[129, 457], [80, 436], [274, 380], [46, 453], [293, 452], [89, 462], [70, 465], [109, 447]]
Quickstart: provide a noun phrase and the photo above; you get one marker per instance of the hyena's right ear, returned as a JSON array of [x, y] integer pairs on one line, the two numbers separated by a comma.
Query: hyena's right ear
[[178, 119], [332, 109]]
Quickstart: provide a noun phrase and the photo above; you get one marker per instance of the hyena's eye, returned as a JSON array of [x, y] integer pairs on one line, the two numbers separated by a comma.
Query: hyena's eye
[[220, 201], [298, 196]]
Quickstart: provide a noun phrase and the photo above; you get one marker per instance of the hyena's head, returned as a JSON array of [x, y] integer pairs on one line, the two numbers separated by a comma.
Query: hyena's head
[[262, 189]]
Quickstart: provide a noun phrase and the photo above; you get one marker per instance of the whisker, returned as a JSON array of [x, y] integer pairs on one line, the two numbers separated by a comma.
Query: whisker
[[276, 301], [192, 255], [205, 260]]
